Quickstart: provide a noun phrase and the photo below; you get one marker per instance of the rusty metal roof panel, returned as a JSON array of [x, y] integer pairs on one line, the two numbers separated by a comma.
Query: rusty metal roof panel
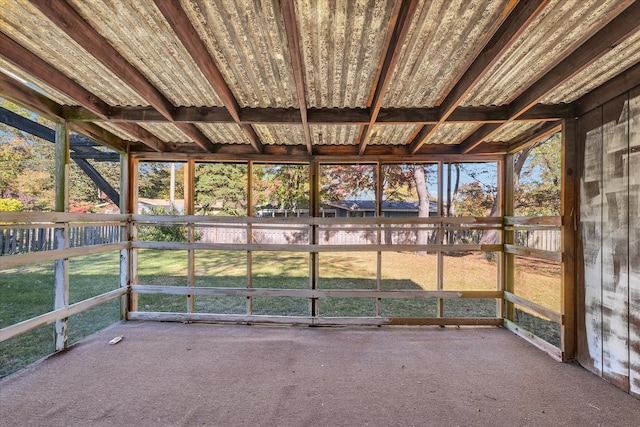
[[544, 43], [223, 133], [280, 134], [53, 45], [511, 130], [451, 133], [24, 77], [443, 38], [609, 65], [166, 131], [392, 134], [150, 45], [334, 134], [342, 43], [248, 41]]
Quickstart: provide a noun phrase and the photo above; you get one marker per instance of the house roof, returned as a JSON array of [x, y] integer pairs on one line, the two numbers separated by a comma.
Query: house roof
[[387, 205], [296, 78]]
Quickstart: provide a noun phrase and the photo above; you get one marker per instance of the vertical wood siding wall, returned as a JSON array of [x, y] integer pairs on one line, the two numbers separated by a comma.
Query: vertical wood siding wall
[[608, 325]]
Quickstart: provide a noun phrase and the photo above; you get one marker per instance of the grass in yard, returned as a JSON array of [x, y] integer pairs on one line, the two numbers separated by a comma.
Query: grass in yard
[[27, 292]]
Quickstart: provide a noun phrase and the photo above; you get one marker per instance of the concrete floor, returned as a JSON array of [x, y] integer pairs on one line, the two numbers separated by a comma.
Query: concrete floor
[[171, 374]]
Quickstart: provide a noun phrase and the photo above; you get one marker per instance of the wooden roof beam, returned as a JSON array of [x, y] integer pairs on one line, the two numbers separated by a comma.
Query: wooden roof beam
[[401, 20], [519, 17], [182, 26], [603, 41], [293, 41], [533, 135], [45, 72], [32, 64], [68, 19]]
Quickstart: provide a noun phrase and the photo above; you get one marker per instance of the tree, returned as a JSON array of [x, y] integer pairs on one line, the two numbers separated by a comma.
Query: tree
[[222, 188], [284, 187], [537, 178]]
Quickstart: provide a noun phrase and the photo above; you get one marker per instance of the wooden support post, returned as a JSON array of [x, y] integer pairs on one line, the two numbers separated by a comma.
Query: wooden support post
[[134, 174], [314, 212], [189, 209], [568, 211], [499, 258], [379, 191], [61, 266], [441, 237], [125, 232], [249, 235], [508, 260]]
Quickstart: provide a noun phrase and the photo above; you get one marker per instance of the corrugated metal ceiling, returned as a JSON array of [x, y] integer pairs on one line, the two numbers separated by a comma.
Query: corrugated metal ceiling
[[350, 59]]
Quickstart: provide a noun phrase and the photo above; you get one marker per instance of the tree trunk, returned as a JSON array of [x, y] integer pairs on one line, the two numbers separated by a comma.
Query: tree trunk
[[422, 237]]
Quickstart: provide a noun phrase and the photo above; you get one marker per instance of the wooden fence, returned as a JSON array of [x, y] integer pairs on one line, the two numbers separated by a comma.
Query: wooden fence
[[22, 240]]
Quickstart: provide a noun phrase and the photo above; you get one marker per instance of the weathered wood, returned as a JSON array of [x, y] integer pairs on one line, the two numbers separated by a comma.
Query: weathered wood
[[51, 255], [445, 321], [53, 316], [634, 242], [552, 351], [615, 242], [400, 20], [293, 39], [533, 253], [623, 82], [536, 308], [534, 220], [68, 19], [568, 211], [619, 28], [35, 66], [516, 18], [589, 298], [312, 293], [534, 135]]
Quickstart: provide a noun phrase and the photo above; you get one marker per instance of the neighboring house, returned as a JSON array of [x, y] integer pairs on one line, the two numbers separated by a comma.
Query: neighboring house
[[146, 205], [367, 208], [354, 208]]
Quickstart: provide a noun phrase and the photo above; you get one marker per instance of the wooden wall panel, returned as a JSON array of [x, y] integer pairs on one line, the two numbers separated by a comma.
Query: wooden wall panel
[[615, 242], [589, 321], [634, 242], [608, 277]]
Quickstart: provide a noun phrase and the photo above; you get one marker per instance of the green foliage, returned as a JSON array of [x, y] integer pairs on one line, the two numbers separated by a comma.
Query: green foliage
[[11, 205], [220, 188], [166, 233], [537, 189], [155, 180], [285, 187]]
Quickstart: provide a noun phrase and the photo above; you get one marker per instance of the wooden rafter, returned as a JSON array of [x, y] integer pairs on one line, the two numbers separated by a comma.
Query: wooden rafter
[[402, 19], [603, 41], [45, 72], [534, 135], [68, 19], [182, 26], [23, 58], [513, 26], [293, 39]]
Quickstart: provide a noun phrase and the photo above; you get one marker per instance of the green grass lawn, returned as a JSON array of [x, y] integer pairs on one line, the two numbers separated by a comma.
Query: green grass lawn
[[26, 292]]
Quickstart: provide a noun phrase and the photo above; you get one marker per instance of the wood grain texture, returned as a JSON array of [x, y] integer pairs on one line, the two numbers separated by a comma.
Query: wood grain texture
[[615, 243], [589, 319], [634, 242]]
